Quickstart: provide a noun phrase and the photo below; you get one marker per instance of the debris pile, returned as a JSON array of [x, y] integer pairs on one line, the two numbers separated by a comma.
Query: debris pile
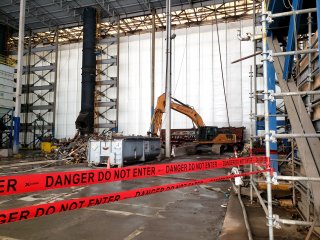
[[74, 150]]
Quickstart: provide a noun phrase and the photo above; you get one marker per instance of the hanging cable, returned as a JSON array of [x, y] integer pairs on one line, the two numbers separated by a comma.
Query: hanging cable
[[175, 87], [285, 5], [223, 83]]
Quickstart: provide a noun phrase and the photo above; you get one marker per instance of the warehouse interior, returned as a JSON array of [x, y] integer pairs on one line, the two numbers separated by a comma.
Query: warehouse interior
[[171, 119]]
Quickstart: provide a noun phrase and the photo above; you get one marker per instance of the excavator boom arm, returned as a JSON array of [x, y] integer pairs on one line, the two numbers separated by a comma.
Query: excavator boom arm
[[156, 121]]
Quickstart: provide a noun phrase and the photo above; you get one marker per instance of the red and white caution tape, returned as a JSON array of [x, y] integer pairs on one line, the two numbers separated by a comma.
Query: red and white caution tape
[[23, 213], [16, 184]]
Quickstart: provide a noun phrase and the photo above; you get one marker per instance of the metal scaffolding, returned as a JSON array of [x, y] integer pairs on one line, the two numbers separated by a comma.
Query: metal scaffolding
[[106, 93], [38, 90], [296, 67]]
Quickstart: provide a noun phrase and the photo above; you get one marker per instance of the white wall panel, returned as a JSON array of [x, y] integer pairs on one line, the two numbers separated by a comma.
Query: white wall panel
[[196, 78], [219, 113], [133, 105], [206, 91], [234, 76], [246, 49], [160, 72], [68, 89], [144, 84], [179, 74], [124, 84], [193, 69]]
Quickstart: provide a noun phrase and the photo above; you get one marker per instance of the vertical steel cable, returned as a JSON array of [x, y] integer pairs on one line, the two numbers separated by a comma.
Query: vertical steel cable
[[223, 82]]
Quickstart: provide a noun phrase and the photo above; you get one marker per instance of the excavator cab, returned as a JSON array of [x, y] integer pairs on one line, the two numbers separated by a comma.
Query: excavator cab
[[214, 135], [207, 133]]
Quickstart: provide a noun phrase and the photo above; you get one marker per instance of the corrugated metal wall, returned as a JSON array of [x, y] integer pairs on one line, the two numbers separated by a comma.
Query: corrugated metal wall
[[196, 78]]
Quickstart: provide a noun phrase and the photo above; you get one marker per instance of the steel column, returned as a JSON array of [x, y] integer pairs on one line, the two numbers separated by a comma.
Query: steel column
[[318, 22], [266, 116], [291, 41], [251, 130], [118, 73], [272, 116], [309, 62], [153, 55], [168, 80], [55, 81], [19, 77], [28, 52], [254, 63]]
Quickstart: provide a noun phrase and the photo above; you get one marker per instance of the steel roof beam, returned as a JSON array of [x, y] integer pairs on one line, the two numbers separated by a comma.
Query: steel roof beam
[[8, 20], [139, 24], [108, 6], [111, 12]]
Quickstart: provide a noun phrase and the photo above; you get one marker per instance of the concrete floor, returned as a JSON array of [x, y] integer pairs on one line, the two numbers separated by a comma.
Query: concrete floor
[[234, 226], [188, 213], [257, 221]]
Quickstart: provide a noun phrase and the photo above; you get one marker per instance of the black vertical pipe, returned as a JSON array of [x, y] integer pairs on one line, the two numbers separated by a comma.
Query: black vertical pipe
[[88, 60], [85, 120]]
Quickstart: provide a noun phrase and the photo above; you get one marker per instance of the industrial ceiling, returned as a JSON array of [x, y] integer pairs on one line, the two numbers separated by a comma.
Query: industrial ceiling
[[47, 14]]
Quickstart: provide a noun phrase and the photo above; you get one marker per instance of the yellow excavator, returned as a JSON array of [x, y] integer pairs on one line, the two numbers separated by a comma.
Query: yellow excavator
[[208, 137]]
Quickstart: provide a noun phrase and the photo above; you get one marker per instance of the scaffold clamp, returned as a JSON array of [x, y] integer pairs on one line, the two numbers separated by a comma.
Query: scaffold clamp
[[276, 223], [270, 57], [271, 95], [274, 179], [269, 17], [238, 180]]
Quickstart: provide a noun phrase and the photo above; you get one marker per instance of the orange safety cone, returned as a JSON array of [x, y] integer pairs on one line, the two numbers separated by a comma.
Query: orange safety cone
[[235, 148], [235, 153], [108, 163]]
